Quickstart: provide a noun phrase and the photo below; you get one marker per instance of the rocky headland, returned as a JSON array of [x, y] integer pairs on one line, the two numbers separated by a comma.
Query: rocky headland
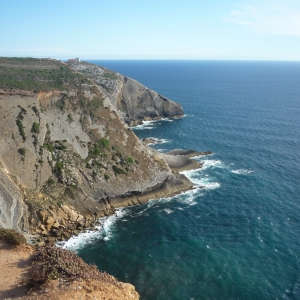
[[67, 155], [133, 101]]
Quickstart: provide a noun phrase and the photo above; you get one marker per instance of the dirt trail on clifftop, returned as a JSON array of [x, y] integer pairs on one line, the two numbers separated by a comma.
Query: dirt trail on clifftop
[[14, 261]]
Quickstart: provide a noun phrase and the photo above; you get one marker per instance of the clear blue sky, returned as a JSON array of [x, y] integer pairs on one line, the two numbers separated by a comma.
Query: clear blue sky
[[156, 29]]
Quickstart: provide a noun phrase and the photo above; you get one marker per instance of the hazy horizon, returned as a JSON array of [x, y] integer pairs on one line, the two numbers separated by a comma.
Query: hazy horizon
[[118, 30]]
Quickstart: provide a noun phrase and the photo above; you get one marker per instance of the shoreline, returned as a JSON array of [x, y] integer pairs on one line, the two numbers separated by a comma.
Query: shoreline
[[61, 223], [179, 184], [173, 185]]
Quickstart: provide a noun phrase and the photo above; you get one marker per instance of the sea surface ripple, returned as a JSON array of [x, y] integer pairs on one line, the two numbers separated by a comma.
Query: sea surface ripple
[[237, 235]]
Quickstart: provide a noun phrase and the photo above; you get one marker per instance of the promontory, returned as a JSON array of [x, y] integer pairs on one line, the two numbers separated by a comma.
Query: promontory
[[67, 155]]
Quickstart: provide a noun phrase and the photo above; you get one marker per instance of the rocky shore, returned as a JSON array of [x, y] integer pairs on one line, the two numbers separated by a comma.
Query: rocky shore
[[58, 223]]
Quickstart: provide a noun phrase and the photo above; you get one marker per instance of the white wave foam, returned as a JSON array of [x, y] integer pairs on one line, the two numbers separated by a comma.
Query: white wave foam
[[145, 125], [188, 197], [167, 120], [242, 171], [201, 156], [76, 242], [200, 180], [110, 221], [158, 141], [212, 185], [208, 163], [104, 231], [168, 211]]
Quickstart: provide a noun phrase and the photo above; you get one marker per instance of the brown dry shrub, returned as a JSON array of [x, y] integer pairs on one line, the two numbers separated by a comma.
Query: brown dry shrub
[[52, 262]]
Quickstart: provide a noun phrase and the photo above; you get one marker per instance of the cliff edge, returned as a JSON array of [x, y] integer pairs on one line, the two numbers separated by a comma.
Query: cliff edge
[[66, 155], [134, 102]]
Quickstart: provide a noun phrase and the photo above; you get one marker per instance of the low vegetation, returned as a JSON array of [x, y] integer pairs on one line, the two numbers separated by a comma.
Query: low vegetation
[[118, 170], [12, 237], [22, 151], [35, 128], [52, 262], [37, 75], [19, 122], [105, 143]]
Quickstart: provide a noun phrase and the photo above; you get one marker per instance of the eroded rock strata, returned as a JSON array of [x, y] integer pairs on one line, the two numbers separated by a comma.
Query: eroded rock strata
[[66, 155], [134, 102]]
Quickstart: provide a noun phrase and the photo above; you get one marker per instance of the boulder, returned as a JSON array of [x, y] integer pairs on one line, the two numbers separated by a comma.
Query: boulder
[[42, 215]]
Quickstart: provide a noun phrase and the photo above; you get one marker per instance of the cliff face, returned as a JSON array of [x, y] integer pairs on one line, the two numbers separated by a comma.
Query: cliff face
[[65, 153], [134, 101]]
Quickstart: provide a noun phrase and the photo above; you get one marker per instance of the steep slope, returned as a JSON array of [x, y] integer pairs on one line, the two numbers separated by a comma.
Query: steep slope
[[66, 156], [134, 101]]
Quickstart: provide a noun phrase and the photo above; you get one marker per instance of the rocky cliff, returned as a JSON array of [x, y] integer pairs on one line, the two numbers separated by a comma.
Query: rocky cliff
[[134, 101], [66, 156]]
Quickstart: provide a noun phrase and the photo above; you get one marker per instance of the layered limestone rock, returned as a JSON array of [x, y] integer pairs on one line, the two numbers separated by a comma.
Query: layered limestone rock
[[63, 144], [134, 101]]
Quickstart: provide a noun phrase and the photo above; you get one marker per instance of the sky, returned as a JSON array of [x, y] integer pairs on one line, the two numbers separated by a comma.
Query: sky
[[156, 29]]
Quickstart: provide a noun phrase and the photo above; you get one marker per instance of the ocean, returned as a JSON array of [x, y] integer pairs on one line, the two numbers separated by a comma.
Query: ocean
[[237, 237]]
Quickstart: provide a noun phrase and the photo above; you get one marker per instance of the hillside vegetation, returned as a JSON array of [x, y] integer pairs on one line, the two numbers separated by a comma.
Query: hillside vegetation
[[37, 75]]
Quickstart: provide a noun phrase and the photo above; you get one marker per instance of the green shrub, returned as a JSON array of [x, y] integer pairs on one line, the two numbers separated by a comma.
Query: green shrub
[[118, 170], [58, 167], [109, 75], [22, 151], [50, 181], [35, 128], [95, 104], [49, 147], [96, 150], [106, 176], [35, 110], [105, 143], [70, 118], [12, 237], [130, 160], [21, 128]]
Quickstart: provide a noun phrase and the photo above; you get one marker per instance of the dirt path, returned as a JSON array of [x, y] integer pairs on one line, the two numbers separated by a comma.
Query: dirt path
[[14, 262]]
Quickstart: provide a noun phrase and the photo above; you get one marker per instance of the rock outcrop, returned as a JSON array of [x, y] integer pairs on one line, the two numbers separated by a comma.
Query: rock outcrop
[[66, 156], [134, 101]]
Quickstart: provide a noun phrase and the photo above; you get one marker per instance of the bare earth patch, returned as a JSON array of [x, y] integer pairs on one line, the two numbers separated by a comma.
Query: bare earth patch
[[14, 263]]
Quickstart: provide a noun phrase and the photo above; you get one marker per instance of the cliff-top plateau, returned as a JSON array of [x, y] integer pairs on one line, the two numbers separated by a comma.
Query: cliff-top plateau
[[67, 155]]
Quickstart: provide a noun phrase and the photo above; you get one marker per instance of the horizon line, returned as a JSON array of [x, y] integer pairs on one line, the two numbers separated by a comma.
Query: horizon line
[[159, 59]]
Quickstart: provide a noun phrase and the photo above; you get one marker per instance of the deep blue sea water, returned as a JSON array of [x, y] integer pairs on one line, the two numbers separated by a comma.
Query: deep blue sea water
[[238, 237]]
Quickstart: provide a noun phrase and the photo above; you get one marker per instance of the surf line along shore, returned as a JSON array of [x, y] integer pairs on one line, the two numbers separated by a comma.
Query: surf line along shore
[[55, 229], [179, 161]]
